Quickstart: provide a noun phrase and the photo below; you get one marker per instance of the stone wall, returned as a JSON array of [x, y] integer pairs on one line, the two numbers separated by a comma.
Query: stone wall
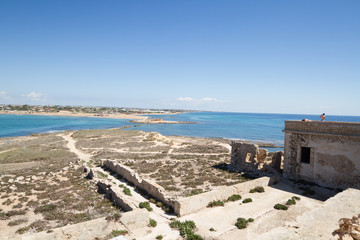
[[243, 156], [130, 175], [334, 153], [189, 204]]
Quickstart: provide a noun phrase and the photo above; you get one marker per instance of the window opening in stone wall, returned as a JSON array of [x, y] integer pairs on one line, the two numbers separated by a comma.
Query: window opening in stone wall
[[305, 154]]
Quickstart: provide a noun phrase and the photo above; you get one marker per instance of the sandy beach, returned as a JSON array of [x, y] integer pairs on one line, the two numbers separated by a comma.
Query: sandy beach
[[74, 114]]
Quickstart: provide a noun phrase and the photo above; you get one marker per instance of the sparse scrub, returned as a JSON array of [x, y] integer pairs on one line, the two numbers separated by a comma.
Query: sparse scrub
[[22, 230], [258, 189], [296, 198], [279, 206], [242, 223], [290, 202], [127, 191], [234, 197], [247, 200], [116, 233], [145, 205], [17, 222], [186, 229], [152, 223], [159, 237], [216, 203], [212, 229]]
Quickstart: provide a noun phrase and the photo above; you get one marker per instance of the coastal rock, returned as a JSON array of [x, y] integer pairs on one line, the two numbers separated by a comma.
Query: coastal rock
[[11, 180]]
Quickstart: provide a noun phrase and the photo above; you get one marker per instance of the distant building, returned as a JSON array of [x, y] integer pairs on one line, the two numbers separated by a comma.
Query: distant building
[[326, 153]]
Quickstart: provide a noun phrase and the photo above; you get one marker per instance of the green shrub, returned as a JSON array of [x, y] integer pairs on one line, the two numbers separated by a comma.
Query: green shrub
[[127, 191], [45, 208], [145, 205], [23, 230], [212, 229], [234, 197], [290, 202], [159, 237], [242, 223], [247, 200], [186, 229], [257, 189], [279, 206], [152, 223], [116, 233], [216, 203], [17, 222], [296, 198]]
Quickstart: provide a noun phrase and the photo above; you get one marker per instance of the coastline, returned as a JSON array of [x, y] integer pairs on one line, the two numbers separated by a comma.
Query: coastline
[[72, 114]]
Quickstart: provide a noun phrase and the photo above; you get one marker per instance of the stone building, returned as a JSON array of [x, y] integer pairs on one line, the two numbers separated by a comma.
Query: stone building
[[327, 153]]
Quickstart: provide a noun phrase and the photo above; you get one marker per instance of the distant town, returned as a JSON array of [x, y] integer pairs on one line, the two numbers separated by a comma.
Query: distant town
[[83, 109]]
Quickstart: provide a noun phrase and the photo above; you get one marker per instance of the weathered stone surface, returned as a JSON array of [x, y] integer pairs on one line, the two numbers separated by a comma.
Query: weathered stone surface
[[333, 158], [277, 160], [138, 218], [243, 156], [81, 231], [261, 155], [90, 175]]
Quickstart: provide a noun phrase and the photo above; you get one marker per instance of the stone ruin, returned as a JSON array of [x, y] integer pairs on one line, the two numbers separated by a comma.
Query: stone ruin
[[249, 157], [349, 229]]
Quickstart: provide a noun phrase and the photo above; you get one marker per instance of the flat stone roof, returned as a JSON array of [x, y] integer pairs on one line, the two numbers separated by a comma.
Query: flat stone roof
[[327, 128]]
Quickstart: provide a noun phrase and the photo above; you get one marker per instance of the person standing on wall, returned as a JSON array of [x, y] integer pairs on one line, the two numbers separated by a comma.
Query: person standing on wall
[[322, 116]]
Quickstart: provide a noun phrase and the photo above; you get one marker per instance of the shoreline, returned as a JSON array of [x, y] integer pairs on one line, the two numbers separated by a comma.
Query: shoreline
[[72, 114]]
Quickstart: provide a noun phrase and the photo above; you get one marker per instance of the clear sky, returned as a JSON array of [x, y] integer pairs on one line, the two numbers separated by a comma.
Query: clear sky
[[265, 56]]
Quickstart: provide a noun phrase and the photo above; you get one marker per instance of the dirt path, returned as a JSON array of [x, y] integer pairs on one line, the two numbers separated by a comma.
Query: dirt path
[[71, 145]]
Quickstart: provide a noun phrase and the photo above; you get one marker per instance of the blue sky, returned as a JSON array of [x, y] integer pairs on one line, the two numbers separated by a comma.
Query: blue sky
[[238, 56]]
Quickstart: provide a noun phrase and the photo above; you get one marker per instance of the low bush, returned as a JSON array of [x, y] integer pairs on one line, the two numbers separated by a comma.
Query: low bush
[[242, 223], [290, 202], [212, 230], [247, 200], [116, 233], [127, 191], [257, 189], [17, 222], [145, 205], [186, 229], [296, 198], [152, 223], [22, 230], [234, 197], [216, 203], [159, 237], [279, 206]]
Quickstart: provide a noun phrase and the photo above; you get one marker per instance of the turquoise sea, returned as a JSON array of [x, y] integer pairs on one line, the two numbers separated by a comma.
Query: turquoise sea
[[245, 126]]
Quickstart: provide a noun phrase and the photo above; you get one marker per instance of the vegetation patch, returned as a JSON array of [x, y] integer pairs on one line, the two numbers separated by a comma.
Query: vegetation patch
[[247, 200], [152, 223], [145, 205], [127, 191], [186, 229], [290, 202], [234, 197], [116, 233], [279, 206], [258, 189], [242, 223], [216, 203]]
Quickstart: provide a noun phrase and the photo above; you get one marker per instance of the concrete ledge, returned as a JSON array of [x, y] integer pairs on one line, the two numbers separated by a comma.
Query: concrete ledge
[[195, 203], [81, 231]]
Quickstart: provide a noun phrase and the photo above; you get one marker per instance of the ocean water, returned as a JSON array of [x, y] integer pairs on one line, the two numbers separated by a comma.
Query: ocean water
[[243, 126], [22, 125]]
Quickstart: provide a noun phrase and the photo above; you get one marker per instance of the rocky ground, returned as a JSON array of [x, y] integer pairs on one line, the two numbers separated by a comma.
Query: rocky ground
[[43, 188]]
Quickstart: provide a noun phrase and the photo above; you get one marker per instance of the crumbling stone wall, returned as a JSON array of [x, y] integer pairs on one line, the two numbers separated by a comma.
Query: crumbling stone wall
[[243, 156], [334, 153]]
